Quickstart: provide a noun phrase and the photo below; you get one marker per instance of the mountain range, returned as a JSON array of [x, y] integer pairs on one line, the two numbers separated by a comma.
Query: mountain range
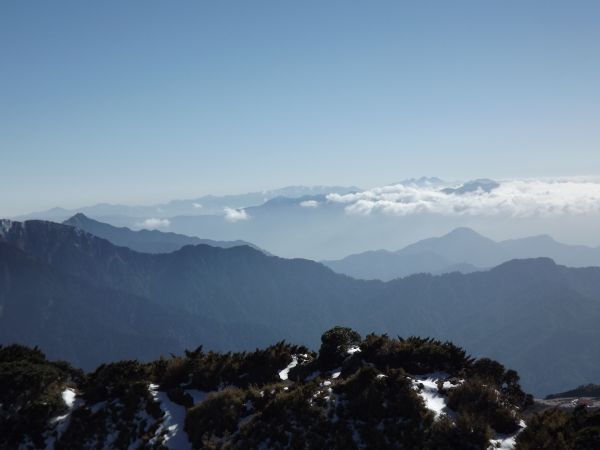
[[328, 223], [58, 282], [207, 204], [462, 250], [145, 241]]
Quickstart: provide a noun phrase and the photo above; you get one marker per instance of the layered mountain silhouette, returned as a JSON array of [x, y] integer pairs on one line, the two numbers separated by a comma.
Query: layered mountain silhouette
[[207, 204], [533, 315], [145, 241], [462, 250]]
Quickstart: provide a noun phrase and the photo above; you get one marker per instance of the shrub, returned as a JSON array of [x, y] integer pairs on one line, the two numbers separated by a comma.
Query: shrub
[[468, 433], [334, 346], [547, 430], [414, 354], [30, 393], [475, 398], [217, 416]]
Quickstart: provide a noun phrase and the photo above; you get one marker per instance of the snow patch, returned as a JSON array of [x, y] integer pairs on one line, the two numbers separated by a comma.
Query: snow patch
[[68, 396], [285, 372], [353, 350], [427, 387], [61, 423], [173, 422]]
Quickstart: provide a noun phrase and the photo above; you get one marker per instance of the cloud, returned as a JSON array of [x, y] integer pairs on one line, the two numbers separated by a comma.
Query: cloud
[[516, 198], [309, 204], [153, 224], [196, 205], [235, 215]]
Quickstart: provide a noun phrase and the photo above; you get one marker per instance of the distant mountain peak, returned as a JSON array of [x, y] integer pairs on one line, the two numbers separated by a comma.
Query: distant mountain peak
[[78, 217], [543, 238], [423, 181], [463, 231], [478, 185]]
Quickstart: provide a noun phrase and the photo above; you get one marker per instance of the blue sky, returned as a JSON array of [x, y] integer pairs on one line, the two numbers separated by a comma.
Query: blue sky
[[149, 101]]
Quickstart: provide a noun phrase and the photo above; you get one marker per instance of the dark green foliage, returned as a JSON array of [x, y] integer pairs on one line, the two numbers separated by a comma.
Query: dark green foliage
[[208, 371], [414, 354], [557, 430], [30, 393], [116, 380], [373, 401], [475, 398], [377, 400], [216, 417], [467, 433], [179, 396], [334, 346], [506, 381], [547, 430]]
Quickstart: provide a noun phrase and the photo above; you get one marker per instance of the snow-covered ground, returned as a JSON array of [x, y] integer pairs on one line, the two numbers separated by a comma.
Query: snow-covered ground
[[173, 421], [429, 392], [197, 396], [437, 402]]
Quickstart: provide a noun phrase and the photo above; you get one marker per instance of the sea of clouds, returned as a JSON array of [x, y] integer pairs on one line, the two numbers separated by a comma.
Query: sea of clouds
[[516, 198]]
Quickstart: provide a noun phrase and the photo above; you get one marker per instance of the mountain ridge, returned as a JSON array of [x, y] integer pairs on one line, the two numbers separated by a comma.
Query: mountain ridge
[[144, 241], [461, 246], [527, 313]]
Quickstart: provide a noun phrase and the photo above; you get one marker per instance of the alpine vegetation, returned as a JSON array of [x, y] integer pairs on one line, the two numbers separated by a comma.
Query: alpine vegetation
[[376, 392]]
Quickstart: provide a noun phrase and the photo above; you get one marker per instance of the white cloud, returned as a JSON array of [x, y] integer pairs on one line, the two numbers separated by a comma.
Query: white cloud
[[196, 205], [235, 215], [309, 204], [516, 198], [153, 224]]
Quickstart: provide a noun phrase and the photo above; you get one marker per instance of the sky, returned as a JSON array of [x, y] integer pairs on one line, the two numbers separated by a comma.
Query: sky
[[148, 101]]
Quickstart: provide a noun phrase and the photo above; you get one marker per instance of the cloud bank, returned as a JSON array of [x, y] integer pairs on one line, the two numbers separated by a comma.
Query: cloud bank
[[153, 224], [235, 215], [515, 198], [309, 204]]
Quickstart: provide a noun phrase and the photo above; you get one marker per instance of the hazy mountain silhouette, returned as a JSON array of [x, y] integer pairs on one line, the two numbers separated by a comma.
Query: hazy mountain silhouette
[[207, 204], [462, 250], [533, 315], [385, 265], [145, 241], [481, 184]]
